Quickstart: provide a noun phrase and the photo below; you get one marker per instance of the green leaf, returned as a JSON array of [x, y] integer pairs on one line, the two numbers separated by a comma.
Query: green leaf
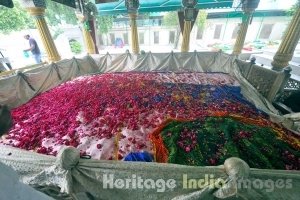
[[104, 23], [58, 13], [14, 19], [170, 19], [201, 19]]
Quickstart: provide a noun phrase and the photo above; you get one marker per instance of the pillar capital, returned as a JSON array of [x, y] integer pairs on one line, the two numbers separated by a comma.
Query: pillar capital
[[132, 16], [132, 5], [189, 3], [36, 11], [249, 5], [80, 16], [33, 3]]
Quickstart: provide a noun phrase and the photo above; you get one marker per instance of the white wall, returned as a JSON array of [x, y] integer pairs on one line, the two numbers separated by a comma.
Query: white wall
[[148, 34], [280, 24], [73, 33]]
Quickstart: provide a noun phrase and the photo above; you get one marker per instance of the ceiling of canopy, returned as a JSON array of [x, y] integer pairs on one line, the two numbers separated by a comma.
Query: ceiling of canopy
[[118, 7]]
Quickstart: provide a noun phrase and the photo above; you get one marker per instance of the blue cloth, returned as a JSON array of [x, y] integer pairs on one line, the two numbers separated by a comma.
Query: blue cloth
[[139, 156]]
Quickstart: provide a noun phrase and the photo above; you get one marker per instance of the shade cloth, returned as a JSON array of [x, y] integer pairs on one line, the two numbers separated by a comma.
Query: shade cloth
[[77, 176]]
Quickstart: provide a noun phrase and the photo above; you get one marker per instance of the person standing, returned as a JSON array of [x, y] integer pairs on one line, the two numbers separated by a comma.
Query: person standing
[[34, 48]]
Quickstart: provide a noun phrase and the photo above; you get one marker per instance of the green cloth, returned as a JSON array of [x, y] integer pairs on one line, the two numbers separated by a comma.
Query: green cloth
[[219, 138]]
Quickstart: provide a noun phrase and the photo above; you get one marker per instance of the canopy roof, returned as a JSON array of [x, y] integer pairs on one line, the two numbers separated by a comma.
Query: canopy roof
[[239, 14], [159, 6]]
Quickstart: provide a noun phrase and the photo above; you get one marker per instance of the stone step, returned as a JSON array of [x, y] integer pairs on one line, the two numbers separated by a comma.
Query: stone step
[[267, 59], [296, 57], [247, 55], [295, 77], [271, 52]]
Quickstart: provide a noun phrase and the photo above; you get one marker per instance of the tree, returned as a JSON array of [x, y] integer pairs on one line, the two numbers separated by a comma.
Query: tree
[[75, 46], [170, 19], [14, 19], [201, 19], [105, 23], [294, 8], [90, 10], [57, 13]]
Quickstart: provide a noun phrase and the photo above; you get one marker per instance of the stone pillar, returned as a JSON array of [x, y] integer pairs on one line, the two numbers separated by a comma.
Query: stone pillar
[[240, 40], [132, 9], [93, 34], [248, 7], [288, 44], [134, 34], [38, 13], [88, 40], [185, 46], [87, 37], [190, 15]]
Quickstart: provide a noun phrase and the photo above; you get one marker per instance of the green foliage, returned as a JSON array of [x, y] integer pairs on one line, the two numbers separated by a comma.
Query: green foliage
[[201, 19], [29, 22], [292, 10], [57, 13], [14, 19], [104, 23], [75, 46], [90, 9], [170, 19]]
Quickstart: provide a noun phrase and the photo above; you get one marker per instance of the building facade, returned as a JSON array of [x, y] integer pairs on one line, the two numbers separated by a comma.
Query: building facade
[[221, 28]]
